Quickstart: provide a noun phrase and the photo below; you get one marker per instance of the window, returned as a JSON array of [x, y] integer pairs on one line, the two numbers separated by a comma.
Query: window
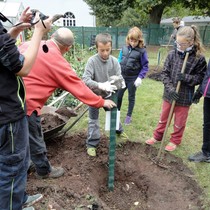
[[69, 19]]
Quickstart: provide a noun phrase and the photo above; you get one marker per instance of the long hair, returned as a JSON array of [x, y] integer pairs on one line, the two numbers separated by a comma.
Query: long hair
[[136, 34], [190, 33]]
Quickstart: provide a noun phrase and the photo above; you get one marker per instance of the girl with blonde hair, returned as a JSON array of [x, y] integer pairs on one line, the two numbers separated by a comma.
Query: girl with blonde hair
[[134, 66]]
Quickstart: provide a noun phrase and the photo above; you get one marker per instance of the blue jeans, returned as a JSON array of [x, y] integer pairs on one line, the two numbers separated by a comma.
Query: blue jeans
[[37, 145], [131, 96], [14, 163], [206, 127]]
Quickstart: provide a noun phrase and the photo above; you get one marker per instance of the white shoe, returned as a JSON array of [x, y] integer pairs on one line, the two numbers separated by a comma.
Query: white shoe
[[29, 208], [32, 199]]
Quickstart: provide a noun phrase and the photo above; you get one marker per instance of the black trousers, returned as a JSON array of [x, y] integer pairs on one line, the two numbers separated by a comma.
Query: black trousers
[[131, 96], [206, 127], [37, 145]]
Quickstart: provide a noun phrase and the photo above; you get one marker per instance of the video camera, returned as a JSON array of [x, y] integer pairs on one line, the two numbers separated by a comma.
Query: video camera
[[41, 15]]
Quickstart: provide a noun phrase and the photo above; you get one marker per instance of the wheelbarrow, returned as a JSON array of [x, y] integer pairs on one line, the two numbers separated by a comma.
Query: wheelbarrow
[[61, 114], [50, 133]]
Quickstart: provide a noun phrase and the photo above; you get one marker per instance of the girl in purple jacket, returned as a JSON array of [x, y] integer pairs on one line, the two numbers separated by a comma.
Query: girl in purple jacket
[[134, 66]]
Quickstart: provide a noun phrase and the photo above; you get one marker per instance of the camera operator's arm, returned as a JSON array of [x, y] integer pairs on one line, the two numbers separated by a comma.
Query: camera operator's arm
[[31, 52], [24, 23]]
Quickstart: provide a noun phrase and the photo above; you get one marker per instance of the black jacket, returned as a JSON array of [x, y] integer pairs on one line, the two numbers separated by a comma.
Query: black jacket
[[194, 73], [205, 87], [12, 94], [131, 61]]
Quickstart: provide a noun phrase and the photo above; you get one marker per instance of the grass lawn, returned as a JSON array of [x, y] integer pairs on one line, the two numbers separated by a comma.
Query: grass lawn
[[145, 117]]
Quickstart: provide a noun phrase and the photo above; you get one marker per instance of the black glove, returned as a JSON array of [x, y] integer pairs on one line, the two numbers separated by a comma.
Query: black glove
[[180, 77], [196, 97], [173, 95]]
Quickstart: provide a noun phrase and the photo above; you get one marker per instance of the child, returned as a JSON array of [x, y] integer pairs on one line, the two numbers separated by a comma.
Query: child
[[187, 40], [134, 66], [98, 70], [204, 154], [177, 24]]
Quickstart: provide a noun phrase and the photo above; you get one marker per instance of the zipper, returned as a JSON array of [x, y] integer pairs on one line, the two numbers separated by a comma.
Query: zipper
[[206, 88], [19, 81]]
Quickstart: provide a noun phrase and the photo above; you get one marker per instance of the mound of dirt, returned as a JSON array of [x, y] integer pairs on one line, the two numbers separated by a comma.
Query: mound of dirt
[[140, 183], [154, 73], [66, 111], [50, 121]]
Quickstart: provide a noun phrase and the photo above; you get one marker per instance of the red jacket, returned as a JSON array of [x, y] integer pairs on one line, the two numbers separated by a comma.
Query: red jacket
[[52, 71]]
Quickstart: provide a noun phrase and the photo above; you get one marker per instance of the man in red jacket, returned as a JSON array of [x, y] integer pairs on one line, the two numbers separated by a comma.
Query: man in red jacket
[[52, 71]]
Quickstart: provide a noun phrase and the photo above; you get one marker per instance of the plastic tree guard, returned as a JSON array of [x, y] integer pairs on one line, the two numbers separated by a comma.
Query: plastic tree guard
[[112, 144]]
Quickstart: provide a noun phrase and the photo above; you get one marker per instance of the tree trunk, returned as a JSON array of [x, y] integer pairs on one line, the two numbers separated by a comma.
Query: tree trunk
[[156, 14]]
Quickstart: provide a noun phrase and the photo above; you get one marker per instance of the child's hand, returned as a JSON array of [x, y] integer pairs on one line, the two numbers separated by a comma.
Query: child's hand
[[118, 81], [138, 82], [196, 97], [180, 76], [107, 86], [174, 95]]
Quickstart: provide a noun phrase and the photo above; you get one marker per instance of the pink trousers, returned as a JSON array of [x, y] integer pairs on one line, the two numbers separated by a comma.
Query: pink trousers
[[180, 115]]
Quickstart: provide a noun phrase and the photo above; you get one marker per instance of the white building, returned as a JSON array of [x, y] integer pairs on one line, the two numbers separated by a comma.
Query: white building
[[77, 12], [12, 10]]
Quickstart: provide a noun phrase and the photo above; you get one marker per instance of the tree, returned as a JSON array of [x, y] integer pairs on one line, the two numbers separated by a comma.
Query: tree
[[109, 11], [203, 5], [179, 10], [154, 8], [132, 17]]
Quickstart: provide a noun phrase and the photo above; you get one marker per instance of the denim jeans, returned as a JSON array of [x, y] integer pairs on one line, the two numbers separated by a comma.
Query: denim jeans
[[37, 145], [131, 96], [206, 127], [14, 163]]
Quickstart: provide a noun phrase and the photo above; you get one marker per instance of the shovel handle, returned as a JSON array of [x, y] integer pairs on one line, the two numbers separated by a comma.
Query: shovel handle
[[78, 106]]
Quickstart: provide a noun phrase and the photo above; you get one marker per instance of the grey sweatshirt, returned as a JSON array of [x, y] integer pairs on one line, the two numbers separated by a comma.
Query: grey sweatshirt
[[99, 70]]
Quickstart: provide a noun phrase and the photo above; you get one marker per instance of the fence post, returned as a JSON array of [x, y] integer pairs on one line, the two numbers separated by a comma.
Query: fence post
[[83, 38], [204, 34], [149, 34], [117, 38]]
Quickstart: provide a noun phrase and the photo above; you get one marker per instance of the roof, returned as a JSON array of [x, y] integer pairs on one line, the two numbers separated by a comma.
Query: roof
[[10, 9], [191, 19]]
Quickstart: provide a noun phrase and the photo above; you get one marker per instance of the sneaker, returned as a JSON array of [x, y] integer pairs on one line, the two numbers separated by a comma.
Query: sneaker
[[91, 151], [151, 141], [170, 147], [29, 208], [128, 120], [56, 172], [123, 135], [32, 199], [199, 157], [120, 129]]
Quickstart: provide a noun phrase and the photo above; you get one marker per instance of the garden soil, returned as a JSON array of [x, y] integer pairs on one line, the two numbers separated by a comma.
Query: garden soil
[[140, 182]]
